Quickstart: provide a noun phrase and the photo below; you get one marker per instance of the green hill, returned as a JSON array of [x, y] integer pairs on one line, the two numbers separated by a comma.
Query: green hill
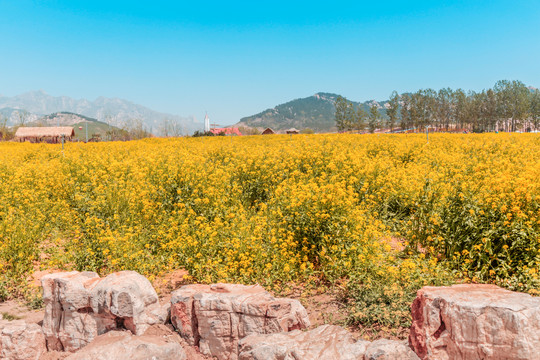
[[315, 112], [79, 122], [94, 128]]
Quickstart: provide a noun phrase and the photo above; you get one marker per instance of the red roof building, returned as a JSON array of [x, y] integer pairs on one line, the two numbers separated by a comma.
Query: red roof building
[[226, 131]]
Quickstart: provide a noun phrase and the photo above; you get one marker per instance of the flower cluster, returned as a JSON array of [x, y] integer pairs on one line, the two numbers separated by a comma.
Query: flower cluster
[[358, 210]]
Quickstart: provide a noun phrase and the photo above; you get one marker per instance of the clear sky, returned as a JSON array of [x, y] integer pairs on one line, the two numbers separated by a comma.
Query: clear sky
[[234, 59]]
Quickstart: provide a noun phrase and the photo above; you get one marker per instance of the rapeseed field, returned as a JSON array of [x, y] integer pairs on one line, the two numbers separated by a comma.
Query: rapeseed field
[[377, 216]]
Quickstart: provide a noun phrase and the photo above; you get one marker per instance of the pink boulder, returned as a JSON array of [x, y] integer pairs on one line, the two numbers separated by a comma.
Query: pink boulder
[[21, 341], [384, 349], [475, 322], [327, 342], [81, 306], [120, 345], [215, 317]]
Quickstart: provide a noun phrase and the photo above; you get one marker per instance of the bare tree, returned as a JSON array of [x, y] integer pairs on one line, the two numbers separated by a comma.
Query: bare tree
[[164, 127], [23, 117], [117, 129], [170, 127], [535, 109], [6, 133], [176, 128], [136, 130]]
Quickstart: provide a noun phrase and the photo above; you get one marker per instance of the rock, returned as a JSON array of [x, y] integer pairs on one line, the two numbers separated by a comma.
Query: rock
[[384, 349], [475, 322], [55, 355], [168, 332], [81, 306], [121, 345], [21, 341], [67, 323], [129, 298], [327, 342], [215, 317]]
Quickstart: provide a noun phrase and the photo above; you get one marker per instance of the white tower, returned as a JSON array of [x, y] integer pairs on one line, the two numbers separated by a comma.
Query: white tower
[[206, 123]]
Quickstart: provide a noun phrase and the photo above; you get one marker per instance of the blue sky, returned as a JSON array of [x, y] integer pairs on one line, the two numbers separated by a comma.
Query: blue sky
[[238, 58]]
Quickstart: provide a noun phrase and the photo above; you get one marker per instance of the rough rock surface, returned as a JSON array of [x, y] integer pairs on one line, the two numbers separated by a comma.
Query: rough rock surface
[[67, 324], [81, 306], [21, 341], [475, 322], [121, 345], [215, 317], [384, 349], [130, 298], [327, 342], [169, 334]]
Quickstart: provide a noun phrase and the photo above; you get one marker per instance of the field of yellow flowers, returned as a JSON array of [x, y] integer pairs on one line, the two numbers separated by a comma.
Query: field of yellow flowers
[[378, 216]]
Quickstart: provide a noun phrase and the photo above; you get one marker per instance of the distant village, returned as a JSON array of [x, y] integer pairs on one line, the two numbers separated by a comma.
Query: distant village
[[92, 130], [59, 134]]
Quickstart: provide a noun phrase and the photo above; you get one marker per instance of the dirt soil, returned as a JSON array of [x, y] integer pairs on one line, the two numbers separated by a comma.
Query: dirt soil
[[13, 310], [323, 307], [169, 282]]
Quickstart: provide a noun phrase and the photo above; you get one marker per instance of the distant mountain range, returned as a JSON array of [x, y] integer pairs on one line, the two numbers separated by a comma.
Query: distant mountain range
[[36, 104], [315, 112]]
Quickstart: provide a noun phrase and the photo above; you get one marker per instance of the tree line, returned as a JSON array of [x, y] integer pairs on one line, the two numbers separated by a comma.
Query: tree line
[[508, 106]]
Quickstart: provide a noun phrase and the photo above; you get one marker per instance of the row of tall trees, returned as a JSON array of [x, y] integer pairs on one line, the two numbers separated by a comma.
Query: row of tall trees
[[349, 117], [508, 106]]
